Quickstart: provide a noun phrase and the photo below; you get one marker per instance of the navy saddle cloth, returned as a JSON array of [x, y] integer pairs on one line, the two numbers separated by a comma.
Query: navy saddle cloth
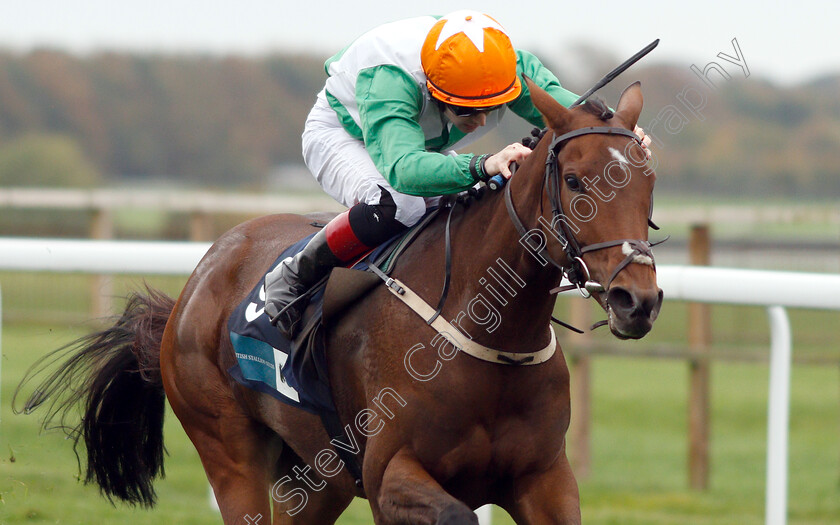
[[269, 363]]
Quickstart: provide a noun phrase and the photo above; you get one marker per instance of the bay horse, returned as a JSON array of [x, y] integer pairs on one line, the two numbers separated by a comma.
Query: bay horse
[[437, 433]]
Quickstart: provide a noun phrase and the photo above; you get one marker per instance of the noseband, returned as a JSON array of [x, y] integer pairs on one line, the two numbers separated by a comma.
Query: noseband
[[576, 272]]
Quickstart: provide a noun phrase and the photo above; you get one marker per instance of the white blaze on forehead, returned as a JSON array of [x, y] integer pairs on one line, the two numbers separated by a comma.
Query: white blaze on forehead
[[473, 28], [617, 155]]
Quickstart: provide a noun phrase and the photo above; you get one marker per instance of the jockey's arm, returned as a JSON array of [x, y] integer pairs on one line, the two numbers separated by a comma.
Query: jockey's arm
[[389, 107]]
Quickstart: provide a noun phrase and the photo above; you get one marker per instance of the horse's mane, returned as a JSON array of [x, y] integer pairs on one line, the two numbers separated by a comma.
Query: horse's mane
[[597, 107]]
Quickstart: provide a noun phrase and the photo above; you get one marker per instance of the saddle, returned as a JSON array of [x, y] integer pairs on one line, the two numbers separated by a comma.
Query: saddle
[[295, 372]]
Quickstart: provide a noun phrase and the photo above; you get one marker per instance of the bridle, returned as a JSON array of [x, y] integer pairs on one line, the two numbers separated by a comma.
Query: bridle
[[576, 271]]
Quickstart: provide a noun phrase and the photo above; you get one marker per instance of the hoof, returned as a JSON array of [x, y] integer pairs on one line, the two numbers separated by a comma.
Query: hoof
[[457, 514]]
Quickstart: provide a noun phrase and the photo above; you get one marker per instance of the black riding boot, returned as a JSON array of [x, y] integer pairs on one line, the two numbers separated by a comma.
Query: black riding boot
[[338, 243], [291, 278]]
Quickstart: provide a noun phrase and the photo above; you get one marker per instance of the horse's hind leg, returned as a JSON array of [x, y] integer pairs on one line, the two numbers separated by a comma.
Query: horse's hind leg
[[236, 466], [237, 452], [299, 502], [245, 461], [235, 458]]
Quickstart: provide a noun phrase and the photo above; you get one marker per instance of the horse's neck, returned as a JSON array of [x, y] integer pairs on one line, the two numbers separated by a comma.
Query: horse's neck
[[497, 276]]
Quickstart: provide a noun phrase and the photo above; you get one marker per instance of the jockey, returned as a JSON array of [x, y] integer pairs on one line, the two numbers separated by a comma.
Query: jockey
[[381, 137]]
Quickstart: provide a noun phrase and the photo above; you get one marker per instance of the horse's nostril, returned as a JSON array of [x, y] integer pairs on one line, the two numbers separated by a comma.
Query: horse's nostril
[[620, 299], [656, 305], [629, 304], [648, 304]]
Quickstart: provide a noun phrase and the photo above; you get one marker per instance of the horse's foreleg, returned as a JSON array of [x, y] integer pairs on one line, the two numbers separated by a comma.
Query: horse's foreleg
[[547, 498], [408, 494]]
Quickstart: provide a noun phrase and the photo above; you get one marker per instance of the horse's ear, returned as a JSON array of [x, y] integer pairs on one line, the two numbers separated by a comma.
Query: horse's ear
[[554, 114], [630, 104]]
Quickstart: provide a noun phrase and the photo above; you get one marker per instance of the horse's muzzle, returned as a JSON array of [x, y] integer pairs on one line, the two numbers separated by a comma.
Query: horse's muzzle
[[632, 313]]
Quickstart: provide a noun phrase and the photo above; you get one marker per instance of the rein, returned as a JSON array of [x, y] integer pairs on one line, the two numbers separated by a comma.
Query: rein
[[576, 271]]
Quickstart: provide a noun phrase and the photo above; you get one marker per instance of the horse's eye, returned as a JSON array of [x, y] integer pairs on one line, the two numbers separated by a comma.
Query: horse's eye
[[572, 182]]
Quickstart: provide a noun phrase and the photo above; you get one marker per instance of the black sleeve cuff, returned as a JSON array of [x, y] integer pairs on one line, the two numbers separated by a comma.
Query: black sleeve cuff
[[477, 167]]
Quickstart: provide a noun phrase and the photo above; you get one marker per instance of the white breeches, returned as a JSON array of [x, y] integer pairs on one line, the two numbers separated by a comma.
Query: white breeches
[[343, 167]]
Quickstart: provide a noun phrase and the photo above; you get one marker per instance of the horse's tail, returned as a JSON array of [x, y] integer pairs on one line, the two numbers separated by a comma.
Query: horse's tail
[[112, 379]]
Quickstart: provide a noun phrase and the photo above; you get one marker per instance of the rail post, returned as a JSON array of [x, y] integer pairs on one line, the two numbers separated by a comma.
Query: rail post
[[699, 340], [101, 286], [485, 515], [579, 428], [201, 226], [778, 414]]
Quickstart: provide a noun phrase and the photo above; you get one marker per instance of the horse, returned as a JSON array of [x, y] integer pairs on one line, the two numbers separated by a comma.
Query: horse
[[437, 432]]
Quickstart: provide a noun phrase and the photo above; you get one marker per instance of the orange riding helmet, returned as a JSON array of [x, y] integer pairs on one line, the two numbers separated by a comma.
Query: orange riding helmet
[[469, 61]]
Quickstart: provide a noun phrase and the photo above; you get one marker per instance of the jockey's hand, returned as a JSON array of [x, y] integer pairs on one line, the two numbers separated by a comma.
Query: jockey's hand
[[645, 140], [500, 162]]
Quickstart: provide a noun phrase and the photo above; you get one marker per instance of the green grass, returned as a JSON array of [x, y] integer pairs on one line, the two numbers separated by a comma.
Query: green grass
[[39, 484], [38, 471], [639, 445], [639, 449]]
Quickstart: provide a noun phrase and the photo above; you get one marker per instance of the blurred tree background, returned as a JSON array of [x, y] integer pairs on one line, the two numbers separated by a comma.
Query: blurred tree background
[[46, 160], [229, 122], [209, 121]]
